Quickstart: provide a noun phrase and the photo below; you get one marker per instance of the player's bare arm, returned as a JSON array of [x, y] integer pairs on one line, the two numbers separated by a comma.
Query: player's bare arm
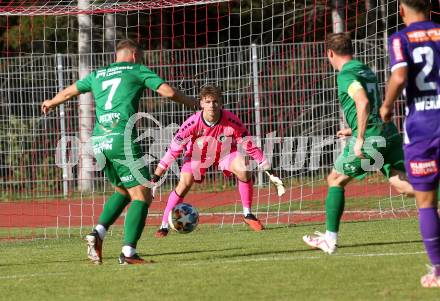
[[396, 84], [60, 98], [344, 133], [362, 110], [167, 91]]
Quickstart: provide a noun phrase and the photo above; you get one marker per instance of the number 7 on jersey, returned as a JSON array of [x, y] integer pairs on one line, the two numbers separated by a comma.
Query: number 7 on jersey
[[113, 83]]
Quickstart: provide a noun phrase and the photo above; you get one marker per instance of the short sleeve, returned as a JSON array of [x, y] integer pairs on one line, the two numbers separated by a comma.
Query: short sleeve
[[85, 84], [149, 78], [398, 51]]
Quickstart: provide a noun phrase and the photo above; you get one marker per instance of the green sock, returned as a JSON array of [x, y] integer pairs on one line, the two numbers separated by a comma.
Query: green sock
[[113, 208], [135, 222], [334, 207]]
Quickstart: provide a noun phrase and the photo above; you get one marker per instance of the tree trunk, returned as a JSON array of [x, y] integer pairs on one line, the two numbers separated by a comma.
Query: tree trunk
[[110, 32], [85, 173], [338, 15]]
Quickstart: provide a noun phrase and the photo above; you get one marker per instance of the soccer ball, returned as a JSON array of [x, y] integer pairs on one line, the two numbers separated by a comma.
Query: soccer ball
[[184, 218]]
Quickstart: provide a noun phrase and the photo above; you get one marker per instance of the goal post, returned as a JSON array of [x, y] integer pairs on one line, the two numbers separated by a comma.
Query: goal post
[[269, 58]]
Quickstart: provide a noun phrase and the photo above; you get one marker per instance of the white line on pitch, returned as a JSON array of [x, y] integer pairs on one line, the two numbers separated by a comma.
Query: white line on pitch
[[292, 258]]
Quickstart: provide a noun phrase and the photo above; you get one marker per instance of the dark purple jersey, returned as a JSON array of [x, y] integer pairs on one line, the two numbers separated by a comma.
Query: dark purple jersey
[[418, 48]]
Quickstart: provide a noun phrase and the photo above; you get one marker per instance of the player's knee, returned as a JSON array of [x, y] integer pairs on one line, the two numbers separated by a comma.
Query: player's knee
[[140, 193], [335, 179], [243, 176], [332, 179], [121, 190]]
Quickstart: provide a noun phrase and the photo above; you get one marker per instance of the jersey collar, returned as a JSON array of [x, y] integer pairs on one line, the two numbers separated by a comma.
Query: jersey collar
[[214, 124]]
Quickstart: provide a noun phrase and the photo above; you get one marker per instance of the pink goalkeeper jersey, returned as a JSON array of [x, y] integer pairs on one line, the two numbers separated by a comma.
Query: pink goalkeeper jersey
[[210, 143]]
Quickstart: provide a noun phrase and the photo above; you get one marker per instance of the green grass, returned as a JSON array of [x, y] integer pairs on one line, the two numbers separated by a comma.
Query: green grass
[[377, 260]]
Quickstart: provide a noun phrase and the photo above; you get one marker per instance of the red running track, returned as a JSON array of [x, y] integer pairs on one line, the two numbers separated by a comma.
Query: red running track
[[85, 212]]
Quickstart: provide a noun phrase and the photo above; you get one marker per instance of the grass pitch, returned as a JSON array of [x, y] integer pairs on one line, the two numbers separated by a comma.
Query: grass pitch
[[377, 260]]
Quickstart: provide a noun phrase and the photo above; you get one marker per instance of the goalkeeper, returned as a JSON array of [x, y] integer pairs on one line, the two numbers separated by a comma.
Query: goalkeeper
[[117, 89], [210, 138], [374, 145]]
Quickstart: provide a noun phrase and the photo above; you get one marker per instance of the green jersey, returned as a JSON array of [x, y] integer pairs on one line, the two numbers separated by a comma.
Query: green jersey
[[117, 89], [353, 76]]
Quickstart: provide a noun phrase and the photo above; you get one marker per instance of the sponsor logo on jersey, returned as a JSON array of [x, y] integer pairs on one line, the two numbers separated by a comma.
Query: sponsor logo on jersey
[[128, 178], [419, 36], [349, 167], [101, 145], [112, 71], [423, 168], [109, 118]]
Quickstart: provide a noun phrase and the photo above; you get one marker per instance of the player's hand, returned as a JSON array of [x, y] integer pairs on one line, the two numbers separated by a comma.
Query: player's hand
[[344, 133], [386, 113], [276, 181], [46, 106], [358, 148]]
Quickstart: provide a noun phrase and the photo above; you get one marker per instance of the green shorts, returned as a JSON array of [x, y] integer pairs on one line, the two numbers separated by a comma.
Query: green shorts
[[122, 168], [380, 154]]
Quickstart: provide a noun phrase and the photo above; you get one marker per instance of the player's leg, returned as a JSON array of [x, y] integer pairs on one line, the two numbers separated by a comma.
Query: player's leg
[[430, 231], [134, 223], [399, 181], [347, 166], [245, 187], [334, 208], [394, 166], [176, 197], [132, 173], [112, 209], [422, 163]]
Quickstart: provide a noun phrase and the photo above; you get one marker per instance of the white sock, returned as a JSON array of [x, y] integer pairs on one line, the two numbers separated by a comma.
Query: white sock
[[128, 251], [246, 211], [164, 225], [101, 231], [331, 236]]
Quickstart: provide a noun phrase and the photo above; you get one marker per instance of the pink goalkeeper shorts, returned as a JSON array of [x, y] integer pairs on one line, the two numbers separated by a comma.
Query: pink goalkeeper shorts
[[198, 169]]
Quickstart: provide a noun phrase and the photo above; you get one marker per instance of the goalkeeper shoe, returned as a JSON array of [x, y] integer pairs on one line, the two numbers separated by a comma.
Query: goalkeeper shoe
[[162, 232], [319, 241], [253, 222], [135, 259], [94, 247], [430, 279]]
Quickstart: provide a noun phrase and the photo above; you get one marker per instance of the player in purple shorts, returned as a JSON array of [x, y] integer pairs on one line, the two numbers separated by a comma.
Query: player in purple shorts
[[415, 66]]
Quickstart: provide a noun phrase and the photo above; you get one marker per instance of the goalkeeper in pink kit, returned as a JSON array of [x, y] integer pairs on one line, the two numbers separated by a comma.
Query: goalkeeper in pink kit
[[210, 137]]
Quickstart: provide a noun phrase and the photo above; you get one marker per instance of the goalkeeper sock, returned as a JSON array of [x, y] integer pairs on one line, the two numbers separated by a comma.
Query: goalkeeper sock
[[246, 211], [246, 189], [135, 222], [113, 208], [430, 231], [173, 200], [334, 207]]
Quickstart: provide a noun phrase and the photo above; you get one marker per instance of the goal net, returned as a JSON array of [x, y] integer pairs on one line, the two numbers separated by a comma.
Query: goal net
[[269, 58]]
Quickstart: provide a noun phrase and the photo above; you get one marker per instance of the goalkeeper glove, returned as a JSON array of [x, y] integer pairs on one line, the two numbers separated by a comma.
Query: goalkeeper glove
[[154, 179], [276, 181]]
